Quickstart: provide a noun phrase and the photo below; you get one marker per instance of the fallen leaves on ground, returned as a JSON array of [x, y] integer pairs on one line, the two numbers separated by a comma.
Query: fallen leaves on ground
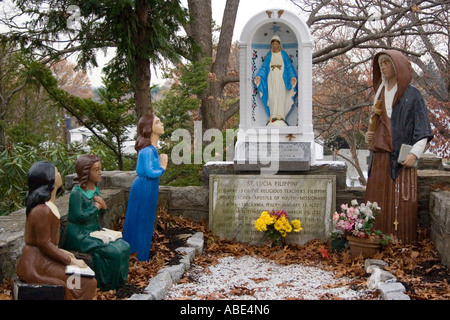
[[416, 266]]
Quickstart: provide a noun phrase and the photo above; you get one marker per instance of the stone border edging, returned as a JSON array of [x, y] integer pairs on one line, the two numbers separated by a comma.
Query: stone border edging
[[384, 281], [160, 284]]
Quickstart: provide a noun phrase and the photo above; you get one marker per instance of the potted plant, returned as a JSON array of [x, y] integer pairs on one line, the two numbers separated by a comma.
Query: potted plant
[[355, 224], [275, 225]]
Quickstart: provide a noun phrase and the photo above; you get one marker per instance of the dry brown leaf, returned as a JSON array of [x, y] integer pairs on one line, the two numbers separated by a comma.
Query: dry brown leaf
[[284, 285], [259, 280], [241, 291]]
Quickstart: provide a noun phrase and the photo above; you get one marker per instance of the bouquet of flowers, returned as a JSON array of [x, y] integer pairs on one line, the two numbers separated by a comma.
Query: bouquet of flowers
[[358, 219], [276, 225]]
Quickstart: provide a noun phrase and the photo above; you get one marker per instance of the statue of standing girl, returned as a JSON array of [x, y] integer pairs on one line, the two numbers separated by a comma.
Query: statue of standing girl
[[42, 262], [110, 257], [143, 199]]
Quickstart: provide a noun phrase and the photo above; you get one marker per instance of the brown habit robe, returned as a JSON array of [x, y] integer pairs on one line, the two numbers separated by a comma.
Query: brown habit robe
[[42, 262], [392, 186]]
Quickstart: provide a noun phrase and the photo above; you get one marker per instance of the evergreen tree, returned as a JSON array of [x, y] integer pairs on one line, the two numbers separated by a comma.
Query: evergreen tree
[[142, 32], [107, 120]]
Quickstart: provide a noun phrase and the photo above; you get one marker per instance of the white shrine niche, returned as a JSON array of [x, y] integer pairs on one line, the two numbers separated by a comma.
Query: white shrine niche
[[294, 143]]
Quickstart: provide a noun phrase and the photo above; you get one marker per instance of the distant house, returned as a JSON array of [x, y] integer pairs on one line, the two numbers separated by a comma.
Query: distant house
[[82, 135]]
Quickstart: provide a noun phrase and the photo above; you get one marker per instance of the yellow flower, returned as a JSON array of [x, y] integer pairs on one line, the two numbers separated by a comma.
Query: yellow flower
[[297, 225], [278, 225], [260, 225], [282, 225], [288, 227], [267, 218], [264, 213]]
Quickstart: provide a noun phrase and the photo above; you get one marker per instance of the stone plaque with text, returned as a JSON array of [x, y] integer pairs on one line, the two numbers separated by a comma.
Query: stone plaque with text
[[236, 201], [281, 156]]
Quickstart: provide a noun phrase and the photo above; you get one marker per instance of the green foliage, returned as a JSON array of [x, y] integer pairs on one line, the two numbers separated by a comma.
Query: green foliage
[[182, 175], [16, 160], [176, 110], [190, 174], [107, 120], [109, 159], [106, 24], [194, 77], [23, 132], [176, 107]]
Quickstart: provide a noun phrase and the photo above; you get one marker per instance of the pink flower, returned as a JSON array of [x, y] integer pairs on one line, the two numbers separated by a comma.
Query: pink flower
[[348, 225], [336, 216]]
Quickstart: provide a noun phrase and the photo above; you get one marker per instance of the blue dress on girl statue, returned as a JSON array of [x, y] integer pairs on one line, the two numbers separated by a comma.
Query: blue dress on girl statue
[[141, 211]]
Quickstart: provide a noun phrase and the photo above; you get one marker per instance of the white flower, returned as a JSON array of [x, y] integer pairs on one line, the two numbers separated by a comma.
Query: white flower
[[369, 215], [375, 206], [354, 202], [366, 211]]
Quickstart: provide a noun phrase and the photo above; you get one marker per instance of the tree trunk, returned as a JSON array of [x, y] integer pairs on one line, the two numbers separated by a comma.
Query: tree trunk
[[142, 63], [2, 137], [211, 110], [201, 26], [351, 141], [143, 102]]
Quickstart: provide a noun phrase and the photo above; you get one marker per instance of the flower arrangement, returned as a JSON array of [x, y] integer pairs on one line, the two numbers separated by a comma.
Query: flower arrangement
[[276, 225], [358, 219]]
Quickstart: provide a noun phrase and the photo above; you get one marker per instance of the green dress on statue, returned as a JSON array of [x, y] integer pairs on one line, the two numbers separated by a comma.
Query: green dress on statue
[[110, 260]]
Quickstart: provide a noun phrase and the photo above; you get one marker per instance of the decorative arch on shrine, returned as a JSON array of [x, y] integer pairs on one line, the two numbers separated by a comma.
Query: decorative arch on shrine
[[254, 44]]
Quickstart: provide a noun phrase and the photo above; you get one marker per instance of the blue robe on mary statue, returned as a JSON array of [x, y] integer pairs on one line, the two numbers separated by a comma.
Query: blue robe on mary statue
[[141, 211], [288, 73]]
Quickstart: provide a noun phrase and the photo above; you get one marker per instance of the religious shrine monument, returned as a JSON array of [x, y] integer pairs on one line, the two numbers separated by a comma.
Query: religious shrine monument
[[294, 139], [274, 152]]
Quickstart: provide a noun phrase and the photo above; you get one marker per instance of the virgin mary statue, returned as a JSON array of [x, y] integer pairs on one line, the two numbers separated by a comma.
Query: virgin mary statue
[[276, 82]]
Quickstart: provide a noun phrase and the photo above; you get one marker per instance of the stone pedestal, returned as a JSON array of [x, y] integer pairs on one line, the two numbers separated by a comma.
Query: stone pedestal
[[272, 157], [28, 291]]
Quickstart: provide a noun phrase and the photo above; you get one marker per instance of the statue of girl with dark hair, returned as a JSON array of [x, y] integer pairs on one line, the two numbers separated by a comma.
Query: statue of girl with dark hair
[[141, 211], [110, 257], [42, 262]]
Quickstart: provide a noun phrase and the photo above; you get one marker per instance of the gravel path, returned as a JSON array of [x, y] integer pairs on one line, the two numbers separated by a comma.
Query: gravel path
[[253, 278]]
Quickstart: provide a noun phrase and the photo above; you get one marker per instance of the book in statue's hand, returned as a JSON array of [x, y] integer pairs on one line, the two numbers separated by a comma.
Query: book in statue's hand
[[84, 272], [405, 149], [106, 235]]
